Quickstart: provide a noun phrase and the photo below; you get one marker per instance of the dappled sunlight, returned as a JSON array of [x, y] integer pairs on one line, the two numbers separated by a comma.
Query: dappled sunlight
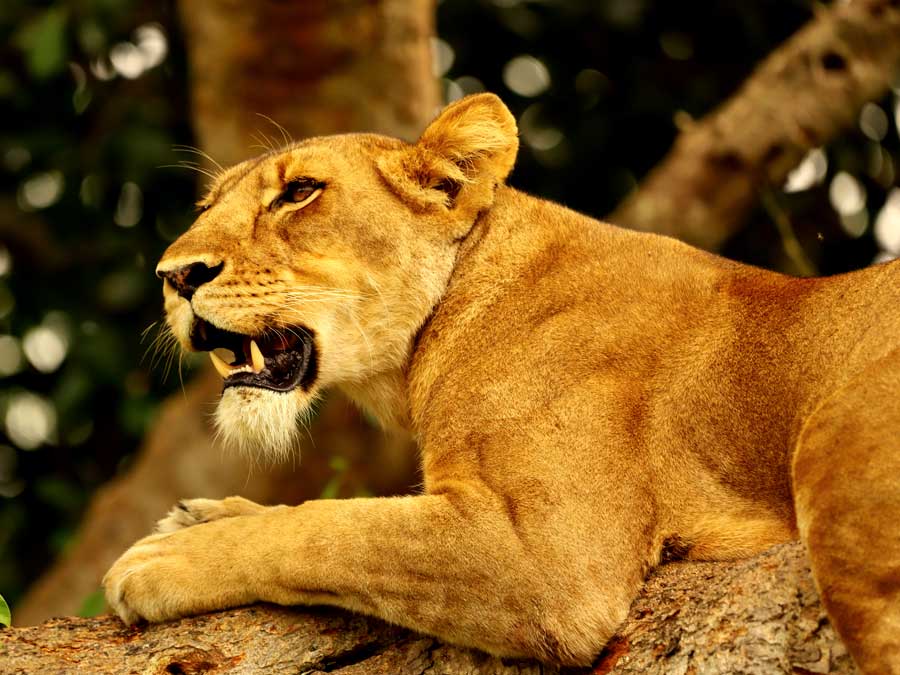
[[30, 420], [873, 121], [811, 171], [536, 131], [45, 346], [442, 55], [848, 198], [41, 190], [130, 205], [131, 59], [526, 76], [887, 224], [11, 360]]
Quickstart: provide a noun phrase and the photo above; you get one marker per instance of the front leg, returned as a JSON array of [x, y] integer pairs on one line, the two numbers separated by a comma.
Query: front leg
[[448, 565]]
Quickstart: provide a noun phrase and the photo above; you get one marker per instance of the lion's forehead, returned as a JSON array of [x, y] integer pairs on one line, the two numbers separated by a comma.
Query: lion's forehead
[[325, 158]]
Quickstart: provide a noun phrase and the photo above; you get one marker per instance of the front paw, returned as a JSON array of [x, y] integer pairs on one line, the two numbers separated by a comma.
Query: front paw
[[175, 574]]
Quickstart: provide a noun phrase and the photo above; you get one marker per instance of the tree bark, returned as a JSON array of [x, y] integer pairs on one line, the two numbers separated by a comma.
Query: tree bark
[[802, 96], [316, 67], [753, 616]]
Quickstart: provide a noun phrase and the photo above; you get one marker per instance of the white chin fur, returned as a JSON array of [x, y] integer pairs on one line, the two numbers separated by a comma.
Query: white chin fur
[[260, 422]]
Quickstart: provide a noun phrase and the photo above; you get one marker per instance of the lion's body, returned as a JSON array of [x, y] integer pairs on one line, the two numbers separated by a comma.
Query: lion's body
[[587, 401], [696, 373]]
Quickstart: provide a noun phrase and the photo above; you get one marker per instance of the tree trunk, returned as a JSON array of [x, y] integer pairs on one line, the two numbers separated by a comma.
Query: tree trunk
[[802, 96], [316, 67], [753, 616]]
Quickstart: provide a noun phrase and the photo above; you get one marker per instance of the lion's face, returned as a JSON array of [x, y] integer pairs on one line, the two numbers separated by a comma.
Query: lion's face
[[316, 265]]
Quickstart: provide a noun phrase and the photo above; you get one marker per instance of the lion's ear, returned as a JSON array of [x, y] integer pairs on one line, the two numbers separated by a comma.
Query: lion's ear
[[474, 136], [463, 154]]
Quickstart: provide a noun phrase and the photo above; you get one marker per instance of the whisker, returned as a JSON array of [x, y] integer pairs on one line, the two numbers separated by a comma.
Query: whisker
[[284, 133], [264, 141], [330, 291], [172, 353], [312, 295], [164, 344], [198, 151], [198, 169], [148, 329]]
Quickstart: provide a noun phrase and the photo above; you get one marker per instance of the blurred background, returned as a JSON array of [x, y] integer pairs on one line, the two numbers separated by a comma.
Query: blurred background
[[101, 98]]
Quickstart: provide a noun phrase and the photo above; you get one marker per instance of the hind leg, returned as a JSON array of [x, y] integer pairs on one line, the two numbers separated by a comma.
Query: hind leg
[[846, 476]]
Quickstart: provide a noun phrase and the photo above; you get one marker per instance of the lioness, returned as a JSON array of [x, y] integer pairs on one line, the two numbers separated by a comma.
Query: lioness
[[581, 394]]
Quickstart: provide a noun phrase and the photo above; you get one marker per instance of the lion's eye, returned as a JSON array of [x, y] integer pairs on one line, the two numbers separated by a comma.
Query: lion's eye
[[298, 191]]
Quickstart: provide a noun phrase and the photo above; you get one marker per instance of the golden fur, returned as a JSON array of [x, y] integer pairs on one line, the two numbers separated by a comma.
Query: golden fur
[[584, 397]]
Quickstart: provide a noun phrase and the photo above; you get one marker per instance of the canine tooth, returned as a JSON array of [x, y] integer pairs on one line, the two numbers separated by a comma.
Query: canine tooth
[[257, 357], [219, 365]]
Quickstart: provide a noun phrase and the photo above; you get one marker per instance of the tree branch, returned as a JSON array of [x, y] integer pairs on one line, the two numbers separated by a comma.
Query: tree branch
[[802, 96], [753, 616]]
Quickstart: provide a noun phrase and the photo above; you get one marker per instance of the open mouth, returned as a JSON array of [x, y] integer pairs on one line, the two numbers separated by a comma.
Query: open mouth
[[280, 360]]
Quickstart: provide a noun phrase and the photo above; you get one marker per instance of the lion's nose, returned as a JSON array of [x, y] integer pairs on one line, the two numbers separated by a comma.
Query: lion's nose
[[188, 278]]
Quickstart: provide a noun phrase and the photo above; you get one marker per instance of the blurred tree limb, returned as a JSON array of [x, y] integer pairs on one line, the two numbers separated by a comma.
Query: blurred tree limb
[[802, 96], [753, 616]]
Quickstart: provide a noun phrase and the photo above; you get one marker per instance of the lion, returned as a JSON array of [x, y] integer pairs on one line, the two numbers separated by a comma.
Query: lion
[[582, 396]]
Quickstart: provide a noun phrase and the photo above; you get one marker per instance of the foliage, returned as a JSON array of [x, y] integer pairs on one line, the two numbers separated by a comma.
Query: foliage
[[94, 604], [93, 113], [339, 466], [5, 617]]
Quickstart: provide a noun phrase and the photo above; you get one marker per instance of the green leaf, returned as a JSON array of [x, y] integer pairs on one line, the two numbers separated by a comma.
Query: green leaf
[[339, 465], [94, 604], [5, 616], [44, 42], [330, 491]]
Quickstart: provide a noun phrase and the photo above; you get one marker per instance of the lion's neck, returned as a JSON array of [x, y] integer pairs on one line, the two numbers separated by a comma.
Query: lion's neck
[[385, 395], [382, 396]]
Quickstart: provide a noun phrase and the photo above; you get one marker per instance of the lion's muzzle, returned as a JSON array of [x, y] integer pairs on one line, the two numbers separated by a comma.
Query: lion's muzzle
[[279, 359]]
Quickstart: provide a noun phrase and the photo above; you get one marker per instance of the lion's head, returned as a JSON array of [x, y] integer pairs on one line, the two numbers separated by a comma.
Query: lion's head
[[317, 264]]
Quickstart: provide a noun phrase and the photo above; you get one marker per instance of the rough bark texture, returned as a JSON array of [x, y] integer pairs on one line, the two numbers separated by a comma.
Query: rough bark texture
[[324, 67], [802, 96], [753, 616]]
